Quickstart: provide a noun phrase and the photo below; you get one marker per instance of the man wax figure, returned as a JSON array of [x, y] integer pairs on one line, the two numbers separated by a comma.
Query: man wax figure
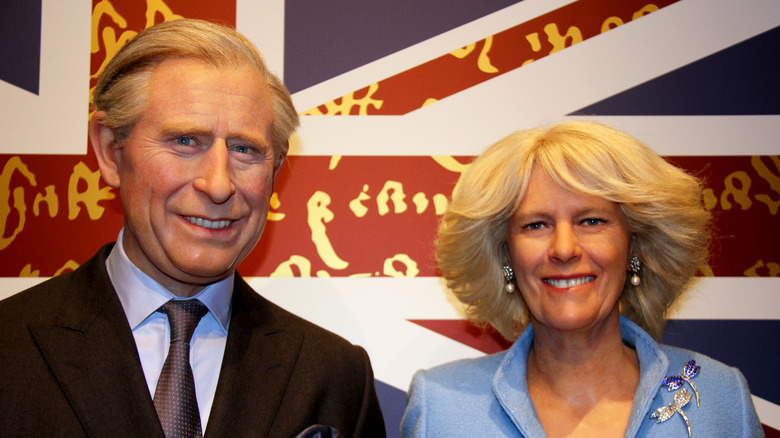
[[192, 129]]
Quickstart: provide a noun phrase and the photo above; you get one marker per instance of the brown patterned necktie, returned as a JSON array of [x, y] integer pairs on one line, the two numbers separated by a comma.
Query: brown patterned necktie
[[174, 397]]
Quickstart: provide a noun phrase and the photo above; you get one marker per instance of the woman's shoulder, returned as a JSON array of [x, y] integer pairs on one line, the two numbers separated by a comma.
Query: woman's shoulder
[[709, 372], [679, 358], [463, 372], [456, 399]]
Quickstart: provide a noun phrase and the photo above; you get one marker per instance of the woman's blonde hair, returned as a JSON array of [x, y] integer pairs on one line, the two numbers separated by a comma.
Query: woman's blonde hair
[[663, 204], [122, 88]]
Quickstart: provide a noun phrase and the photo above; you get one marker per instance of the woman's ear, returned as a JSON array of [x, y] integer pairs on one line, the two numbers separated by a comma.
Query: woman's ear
[[505, 253], [107, 151]]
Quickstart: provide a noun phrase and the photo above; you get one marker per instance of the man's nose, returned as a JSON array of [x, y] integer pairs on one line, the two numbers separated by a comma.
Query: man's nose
[[215, 179], [564, 245]]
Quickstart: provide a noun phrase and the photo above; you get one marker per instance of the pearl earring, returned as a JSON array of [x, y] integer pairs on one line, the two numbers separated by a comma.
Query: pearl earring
[[635, 266], [509, 276]]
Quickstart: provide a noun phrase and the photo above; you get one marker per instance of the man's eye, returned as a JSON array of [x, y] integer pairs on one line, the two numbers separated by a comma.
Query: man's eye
[[242, 149], [593, 221], [185, 141]]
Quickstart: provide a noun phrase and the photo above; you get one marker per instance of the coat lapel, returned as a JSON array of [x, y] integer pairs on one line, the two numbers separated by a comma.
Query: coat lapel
[[259, 358], [91, 352]]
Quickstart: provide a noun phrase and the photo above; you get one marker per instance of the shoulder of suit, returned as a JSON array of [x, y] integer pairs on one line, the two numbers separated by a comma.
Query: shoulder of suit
[[312, 332], [50, 293]]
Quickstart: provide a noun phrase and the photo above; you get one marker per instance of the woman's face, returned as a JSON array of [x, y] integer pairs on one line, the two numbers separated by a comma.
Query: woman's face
[[569, 252]]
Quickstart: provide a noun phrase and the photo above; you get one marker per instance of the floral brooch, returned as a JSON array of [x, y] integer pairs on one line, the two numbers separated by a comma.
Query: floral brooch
[[682, 397]]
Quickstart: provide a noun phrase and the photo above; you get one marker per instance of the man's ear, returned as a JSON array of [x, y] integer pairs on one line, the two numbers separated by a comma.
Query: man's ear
[[278, 164], [107, 151]]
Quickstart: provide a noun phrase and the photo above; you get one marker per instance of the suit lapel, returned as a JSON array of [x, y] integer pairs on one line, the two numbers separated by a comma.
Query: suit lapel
[[92, 354], [259, 358]]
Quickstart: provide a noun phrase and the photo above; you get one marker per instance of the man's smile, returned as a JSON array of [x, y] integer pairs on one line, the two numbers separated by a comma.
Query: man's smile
[[205, 223]]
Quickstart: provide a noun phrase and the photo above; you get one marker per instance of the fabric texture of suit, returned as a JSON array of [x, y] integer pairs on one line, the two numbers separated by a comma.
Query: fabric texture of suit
[[69, 367], [488, 396]]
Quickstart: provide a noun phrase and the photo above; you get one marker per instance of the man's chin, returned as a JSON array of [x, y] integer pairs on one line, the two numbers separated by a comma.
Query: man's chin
[[202, 275], [206, 277]]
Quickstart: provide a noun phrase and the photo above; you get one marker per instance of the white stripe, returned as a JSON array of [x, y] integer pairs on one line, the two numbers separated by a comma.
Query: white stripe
[[730, 298], [55, 120], [702, 135], [544, 91], [768, 412], [262, 22], [373, 312]]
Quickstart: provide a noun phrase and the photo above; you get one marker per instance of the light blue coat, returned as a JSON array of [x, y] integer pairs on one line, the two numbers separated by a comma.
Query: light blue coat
[[488, 396]]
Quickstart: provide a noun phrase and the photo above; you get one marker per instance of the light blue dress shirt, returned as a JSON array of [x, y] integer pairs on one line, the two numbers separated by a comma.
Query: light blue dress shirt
[[141, 296]]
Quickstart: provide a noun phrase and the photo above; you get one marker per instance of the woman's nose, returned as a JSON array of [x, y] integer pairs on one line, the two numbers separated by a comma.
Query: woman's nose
[[564, 245]]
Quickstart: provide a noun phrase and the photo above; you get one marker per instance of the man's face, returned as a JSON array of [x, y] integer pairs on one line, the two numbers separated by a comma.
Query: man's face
[[196, 174]]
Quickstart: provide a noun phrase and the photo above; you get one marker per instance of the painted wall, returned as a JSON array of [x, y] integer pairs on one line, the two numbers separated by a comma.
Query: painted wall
[[396, 97]]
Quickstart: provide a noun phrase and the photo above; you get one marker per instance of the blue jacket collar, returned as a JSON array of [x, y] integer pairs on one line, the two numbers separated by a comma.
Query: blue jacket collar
[[511, 389]]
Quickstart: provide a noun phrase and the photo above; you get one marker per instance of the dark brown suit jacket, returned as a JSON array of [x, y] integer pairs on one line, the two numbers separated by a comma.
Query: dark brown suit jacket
[[69, 367]]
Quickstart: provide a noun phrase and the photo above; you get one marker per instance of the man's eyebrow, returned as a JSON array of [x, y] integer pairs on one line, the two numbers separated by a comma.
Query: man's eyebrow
[[180, 129], [241, 138]]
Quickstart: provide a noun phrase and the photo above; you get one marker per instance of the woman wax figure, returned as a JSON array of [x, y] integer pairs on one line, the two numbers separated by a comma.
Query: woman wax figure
[[574, 241]]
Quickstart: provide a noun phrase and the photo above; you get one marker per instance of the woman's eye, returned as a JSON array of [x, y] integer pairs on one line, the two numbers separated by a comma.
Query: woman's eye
[[243, 149], [185, 141], [534, 226]]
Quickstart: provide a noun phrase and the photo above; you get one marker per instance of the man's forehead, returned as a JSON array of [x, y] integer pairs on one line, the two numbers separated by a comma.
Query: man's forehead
[[179, 70], [188, 81]]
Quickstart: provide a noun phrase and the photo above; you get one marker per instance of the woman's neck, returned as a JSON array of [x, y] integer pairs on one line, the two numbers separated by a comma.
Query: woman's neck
[[582, 382], [593, 348]]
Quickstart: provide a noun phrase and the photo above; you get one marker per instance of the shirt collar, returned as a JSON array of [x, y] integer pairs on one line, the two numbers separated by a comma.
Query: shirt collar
[[141, 296]]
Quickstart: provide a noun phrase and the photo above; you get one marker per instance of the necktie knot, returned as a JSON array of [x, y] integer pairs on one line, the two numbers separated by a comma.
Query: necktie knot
[[183, 317]]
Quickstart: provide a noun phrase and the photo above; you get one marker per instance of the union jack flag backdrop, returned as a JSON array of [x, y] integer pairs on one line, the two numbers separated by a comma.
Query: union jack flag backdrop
[[397, 97]]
